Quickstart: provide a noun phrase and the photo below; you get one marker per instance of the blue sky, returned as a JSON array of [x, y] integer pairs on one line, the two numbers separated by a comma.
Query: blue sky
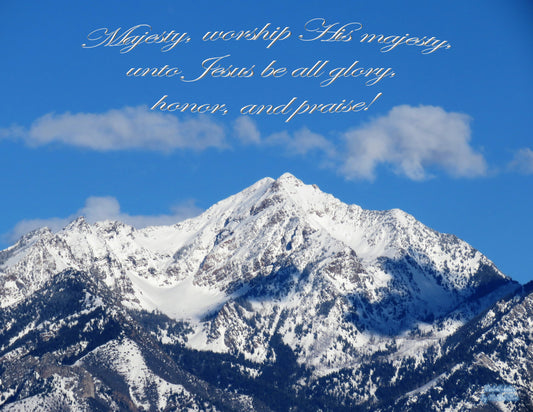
[[447, 140]]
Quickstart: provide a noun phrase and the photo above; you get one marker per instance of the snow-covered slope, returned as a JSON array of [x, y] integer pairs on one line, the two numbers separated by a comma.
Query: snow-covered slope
[[278, 265], [240, 238], [487, 361], [287, 247]]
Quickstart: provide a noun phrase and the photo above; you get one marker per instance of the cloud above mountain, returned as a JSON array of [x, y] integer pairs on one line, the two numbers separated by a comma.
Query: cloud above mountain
[[121, 129], [414, 142]]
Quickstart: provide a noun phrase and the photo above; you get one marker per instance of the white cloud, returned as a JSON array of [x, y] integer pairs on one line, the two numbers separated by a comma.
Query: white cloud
[[105, 208], [413, 140], [119, 129], [523, 161], [302, 142], [246, 130]]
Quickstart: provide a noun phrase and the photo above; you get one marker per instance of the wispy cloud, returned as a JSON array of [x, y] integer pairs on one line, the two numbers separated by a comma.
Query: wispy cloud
[[414, 141], [300, 142], [105, 208], [523, 161], [119, 129]]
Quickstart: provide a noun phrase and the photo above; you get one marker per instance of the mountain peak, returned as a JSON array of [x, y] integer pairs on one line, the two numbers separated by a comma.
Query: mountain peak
[[79, 223], [269, 225], [288, 178], [291, 183], [34, 234]]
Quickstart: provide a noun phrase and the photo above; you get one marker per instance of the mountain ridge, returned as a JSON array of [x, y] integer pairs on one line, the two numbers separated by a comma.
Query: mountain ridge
[[280, 275]]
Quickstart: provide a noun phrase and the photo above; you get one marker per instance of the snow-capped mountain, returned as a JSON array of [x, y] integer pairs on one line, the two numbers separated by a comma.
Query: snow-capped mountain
[[280, 289]]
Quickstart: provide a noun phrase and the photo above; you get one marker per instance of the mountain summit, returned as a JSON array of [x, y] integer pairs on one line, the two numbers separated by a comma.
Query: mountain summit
[[281, 283]]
